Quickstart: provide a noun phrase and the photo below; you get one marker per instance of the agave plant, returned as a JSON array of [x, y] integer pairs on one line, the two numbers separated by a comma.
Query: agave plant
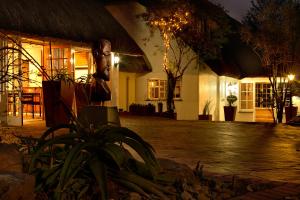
[[77, 165]]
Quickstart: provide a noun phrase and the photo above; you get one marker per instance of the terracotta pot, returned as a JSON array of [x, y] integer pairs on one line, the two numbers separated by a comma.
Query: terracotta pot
[[290, 112], [229, 112], [205, 117], [58, 99]]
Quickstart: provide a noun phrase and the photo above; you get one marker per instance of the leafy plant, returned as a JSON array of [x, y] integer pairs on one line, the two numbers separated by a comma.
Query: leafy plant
[[206, 109], [231, 99], [79, 164], [62, 75]]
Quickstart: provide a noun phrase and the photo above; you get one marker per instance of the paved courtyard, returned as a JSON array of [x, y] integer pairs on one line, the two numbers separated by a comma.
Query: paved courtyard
[[247, 149], [253, 150]]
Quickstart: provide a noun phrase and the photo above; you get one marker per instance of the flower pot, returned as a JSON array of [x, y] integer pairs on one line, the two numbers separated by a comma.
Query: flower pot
[[205, 117], [229, 112], [58, 99], [82, 95], [290, 112]]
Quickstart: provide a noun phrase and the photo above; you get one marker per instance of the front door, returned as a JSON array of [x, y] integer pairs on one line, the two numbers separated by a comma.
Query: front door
[[263, 99]]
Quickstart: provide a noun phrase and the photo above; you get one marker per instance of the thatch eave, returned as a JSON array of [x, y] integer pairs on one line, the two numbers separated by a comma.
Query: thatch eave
[[76, 20]]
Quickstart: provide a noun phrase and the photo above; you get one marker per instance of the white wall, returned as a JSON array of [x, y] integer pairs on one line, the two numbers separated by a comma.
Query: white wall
[[126, 90], [224, 81], [209, 91], [187, 109]]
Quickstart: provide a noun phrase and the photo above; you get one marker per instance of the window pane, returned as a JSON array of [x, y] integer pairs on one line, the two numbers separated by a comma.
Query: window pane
[[246, 95], [243, 105], [250, 104]]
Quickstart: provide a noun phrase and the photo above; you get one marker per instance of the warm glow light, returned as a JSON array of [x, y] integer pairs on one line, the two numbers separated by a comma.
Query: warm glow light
[[116, 59], [232, 88], [169, 26], [291, 77]]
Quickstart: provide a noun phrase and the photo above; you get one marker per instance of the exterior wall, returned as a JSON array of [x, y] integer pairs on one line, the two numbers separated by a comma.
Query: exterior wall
[[209, 91], [224, 81], [126, 90], [187, 106], [296, 102]]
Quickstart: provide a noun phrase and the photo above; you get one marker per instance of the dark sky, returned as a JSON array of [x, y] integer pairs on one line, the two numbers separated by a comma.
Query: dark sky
[[236, 8]]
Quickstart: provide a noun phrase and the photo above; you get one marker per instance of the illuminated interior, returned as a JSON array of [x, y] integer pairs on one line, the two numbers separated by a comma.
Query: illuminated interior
[[64, 60]]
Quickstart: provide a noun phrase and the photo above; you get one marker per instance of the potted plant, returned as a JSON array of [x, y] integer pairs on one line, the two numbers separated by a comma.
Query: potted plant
[[230, 110], [58, 95], [206, 112]]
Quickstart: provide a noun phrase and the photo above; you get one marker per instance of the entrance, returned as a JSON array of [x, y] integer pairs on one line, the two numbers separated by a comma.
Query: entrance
[[263, 99]]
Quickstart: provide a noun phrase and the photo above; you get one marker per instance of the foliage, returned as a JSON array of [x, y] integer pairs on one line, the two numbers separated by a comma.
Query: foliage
[[79, 164], [206, 109], [170, 21], [231, 99], [272, 28], [186, 28], [141, 109]]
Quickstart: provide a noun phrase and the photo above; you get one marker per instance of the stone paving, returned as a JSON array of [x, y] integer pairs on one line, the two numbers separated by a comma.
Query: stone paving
[[255, 150], [262, 152]]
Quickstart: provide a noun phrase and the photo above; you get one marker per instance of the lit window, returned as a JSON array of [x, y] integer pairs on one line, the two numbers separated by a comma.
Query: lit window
[[60, 60], [246, 96], [157, 89], [263, 95], [177, 92]]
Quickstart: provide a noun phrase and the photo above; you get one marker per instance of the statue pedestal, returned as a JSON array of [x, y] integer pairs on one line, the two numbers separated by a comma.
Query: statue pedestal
[[99, 116]]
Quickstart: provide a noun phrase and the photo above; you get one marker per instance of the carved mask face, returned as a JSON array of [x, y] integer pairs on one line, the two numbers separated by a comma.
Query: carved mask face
[[102, 56]]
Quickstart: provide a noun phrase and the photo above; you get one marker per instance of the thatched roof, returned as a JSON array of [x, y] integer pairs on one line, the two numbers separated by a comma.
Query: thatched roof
[[77, 20], [237, 60], [137, 64]]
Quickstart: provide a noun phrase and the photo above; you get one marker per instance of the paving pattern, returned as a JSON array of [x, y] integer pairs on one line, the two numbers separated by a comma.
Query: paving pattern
[[253, 150]]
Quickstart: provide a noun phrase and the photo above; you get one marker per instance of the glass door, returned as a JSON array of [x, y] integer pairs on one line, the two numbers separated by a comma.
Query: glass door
[[14, 86]]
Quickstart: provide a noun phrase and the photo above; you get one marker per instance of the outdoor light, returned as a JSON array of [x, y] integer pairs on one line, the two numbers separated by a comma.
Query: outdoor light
[[116, 59], [232, 88], [291, 77]]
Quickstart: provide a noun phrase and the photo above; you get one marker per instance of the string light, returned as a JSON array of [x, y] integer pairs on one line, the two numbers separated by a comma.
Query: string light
[[168, 27]]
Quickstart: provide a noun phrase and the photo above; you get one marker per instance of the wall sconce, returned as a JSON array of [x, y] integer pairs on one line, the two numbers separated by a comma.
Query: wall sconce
[[232, 88], [116, 60], [291, 77]]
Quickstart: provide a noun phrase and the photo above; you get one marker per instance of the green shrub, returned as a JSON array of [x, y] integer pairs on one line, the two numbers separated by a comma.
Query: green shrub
[[77, 165], [231, 99]]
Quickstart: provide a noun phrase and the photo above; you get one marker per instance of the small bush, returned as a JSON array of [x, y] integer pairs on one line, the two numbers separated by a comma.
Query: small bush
[[141, 109]]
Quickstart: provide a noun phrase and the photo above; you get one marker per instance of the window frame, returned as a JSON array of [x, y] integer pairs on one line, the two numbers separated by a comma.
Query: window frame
[[162, 89], [179, 86], [263, 95], [247, 91]]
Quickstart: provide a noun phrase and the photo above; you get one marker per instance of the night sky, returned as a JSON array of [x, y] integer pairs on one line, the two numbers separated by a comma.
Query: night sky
[[236, 8]]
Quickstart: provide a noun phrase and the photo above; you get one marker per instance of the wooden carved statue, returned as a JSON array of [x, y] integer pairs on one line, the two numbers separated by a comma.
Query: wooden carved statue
[[100, 91]]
